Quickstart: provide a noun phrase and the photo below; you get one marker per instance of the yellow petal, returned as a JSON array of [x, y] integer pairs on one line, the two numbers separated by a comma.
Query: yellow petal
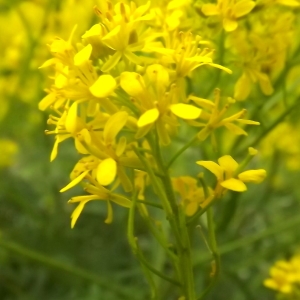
[[121, 146], [110, 38], [148, 117], [292, 3], [113, 126], [212, 167], [120, 200], [249, 122], [61, 79], [76, 213], [210, 9], [80, 147], [230, 24], [242, 8], [84, 198], [235, 129], [143, 131], [191, 208], [228, 163], [75, 181], [141, 10], [93, 31], [58, 139], [106, 171], [235, 116], [221, 67], [255, 176], [266, 85], [83, 55], [158, 74], [71, 119], [55, 149], [103, 86], [203, 102], [109, 218], [48, 63], [242, 87], [132, 83], [111, 62], [186, 111], [234, 185], [47, 101], [132, 57]]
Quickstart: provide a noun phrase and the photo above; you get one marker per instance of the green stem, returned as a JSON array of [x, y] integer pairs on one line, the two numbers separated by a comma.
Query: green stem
[[185, 258], [150, 203], [178, 225], [159, 237], [214, 251], [161, 193], [180, 151], [156, 185], [133, 243]]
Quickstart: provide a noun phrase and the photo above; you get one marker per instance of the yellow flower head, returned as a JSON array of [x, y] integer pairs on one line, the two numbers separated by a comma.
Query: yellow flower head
[[215, 117], [229, 11], [191, 195], [227, 176], [285, 276]]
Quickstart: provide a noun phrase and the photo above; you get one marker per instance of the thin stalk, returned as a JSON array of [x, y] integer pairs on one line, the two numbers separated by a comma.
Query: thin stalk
[[133, 243], [178, 225], [156, 184], [214, 251], [181, 150], [185, 258], [150, 203], [159, 238], [161, 193]]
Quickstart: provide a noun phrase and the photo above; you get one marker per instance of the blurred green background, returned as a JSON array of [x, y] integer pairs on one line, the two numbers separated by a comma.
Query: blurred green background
[[42, 258]]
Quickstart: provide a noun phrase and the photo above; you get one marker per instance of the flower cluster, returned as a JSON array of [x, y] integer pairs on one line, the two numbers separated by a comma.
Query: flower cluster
[[122, 92]]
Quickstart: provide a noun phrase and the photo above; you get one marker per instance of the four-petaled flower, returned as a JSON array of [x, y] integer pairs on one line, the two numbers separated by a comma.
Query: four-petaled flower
[[228, 177]]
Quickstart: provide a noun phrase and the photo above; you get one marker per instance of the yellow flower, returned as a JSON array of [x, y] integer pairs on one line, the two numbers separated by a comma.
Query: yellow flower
[[69, 125], [229, 11], [191, 195], [122, 36], [279, 281], [187, 54], [225, 173], [284, 275], [156, 100], [214, 117], [99, 193]]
